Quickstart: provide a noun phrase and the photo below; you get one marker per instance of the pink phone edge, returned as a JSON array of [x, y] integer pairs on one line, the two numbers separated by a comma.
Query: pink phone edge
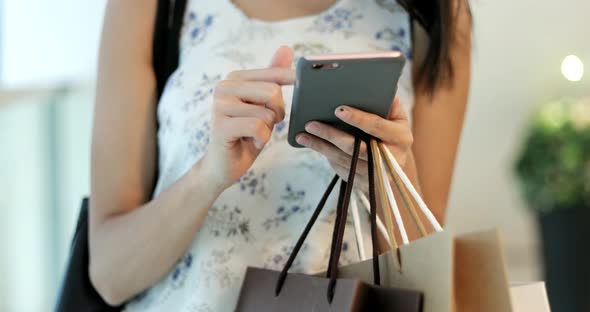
[[353, 56]]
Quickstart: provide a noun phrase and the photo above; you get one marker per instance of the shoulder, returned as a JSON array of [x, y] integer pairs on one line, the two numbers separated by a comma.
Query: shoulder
[[129, 25]]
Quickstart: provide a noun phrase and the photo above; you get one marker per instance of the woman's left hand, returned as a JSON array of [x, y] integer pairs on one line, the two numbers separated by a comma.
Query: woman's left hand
[[337, 146]]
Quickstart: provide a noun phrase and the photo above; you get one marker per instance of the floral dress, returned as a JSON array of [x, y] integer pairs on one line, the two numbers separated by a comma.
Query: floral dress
[[257, 220]]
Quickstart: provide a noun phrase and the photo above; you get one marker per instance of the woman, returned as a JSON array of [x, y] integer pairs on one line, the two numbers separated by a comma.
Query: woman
[[230, 192]]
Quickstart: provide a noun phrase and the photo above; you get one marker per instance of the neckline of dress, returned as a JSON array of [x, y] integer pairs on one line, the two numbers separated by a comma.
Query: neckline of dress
[[286, 21]]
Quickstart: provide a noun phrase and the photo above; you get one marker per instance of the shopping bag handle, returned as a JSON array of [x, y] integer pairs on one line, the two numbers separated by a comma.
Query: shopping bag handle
[[342, 216], [301, 240], [386, 204], [400, 180], [396, 170], [339, 224]]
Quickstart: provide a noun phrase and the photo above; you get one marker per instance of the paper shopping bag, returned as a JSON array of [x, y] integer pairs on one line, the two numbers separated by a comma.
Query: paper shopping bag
[[308, 293], [529, 297], [456, 273]]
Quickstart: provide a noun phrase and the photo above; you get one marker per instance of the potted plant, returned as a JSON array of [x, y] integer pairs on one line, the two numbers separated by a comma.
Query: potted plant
[[553, 170]]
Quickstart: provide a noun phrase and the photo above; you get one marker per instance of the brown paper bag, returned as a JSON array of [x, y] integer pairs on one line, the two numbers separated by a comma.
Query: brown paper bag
[[459, 273]]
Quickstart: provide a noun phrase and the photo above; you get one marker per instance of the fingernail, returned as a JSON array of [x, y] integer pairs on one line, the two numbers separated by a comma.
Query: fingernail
[[312, 127], [302, 139], [342, 112]]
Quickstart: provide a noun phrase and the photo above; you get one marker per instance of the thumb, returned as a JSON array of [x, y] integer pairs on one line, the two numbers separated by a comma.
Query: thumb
[[283, 57], [397, 111]]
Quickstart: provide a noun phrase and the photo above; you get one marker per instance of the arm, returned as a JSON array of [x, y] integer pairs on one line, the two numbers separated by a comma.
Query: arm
[[134, 241], [438, 120]]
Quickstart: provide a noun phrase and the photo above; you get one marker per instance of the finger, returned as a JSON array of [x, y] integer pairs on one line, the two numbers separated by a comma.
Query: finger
[[397, 112], [246, 127], [361, 175], [233, 107], [283, 57], [333, 153], [341, 171], [339, 138], [279, 75], [257, 92], [384, 129]]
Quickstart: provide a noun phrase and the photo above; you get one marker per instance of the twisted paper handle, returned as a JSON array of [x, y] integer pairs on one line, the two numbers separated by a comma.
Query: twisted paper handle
[[386, 164]]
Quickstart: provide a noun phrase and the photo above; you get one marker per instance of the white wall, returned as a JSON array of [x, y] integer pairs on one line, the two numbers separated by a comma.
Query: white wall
[[33, 248], [518, 49], [22, 176], [49, 41], [43, 43]]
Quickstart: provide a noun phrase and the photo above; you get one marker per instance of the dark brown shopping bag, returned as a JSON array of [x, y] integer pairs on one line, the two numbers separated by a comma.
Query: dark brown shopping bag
[[460, 273], [267, 290], [308, 293]]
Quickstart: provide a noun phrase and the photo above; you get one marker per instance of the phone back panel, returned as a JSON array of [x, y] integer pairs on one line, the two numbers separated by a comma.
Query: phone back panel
[[367, 84]]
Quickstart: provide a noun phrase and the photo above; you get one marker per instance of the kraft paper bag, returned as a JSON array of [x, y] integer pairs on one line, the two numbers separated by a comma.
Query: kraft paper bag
[[456, 273], [529, 297]]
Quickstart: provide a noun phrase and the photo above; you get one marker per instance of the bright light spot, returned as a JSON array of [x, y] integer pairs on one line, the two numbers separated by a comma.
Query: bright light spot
[[572, 68]]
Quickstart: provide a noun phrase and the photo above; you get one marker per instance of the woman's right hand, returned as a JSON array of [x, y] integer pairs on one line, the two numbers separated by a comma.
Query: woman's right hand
[[247, 105]]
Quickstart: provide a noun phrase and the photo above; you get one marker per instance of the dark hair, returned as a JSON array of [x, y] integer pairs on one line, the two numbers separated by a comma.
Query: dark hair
[[438, 18]]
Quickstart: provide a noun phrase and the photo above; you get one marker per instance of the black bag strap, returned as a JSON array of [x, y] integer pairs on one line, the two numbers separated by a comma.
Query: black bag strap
[[373, 212], [341, 195], [166, 42], [341, 225]]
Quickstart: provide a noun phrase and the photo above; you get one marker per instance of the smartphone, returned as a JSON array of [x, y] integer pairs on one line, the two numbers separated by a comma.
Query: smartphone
[[367, 81]]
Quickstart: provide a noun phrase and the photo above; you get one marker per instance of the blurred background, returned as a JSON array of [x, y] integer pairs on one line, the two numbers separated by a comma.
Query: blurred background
[[48, 56]]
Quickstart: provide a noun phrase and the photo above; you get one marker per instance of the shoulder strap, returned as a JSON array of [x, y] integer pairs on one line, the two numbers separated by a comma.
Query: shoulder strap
[[169, 17], [165, 48]]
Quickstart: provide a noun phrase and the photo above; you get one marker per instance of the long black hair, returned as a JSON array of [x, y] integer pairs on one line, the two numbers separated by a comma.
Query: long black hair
[[439, 19]]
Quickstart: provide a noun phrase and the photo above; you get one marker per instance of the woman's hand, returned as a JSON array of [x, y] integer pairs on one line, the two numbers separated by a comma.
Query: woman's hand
[[247, 105], [337, 146]]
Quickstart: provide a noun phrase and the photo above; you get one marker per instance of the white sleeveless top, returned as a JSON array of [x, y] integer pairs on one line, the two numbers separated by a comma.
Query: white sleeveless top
[[256, 221]]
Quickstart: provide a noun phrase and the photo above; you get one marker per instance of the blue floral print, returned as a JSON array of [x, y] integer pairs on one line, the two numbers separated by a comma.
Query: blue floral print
[[198, 26], [280, 126], [293, 203], [179, 273], [217, 271], [204, 90], [206, 86], [228, 222], [177, 78], [395, 39], [337, 20], [253, 184], [279, 133], [199, 140], [278, 259]]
